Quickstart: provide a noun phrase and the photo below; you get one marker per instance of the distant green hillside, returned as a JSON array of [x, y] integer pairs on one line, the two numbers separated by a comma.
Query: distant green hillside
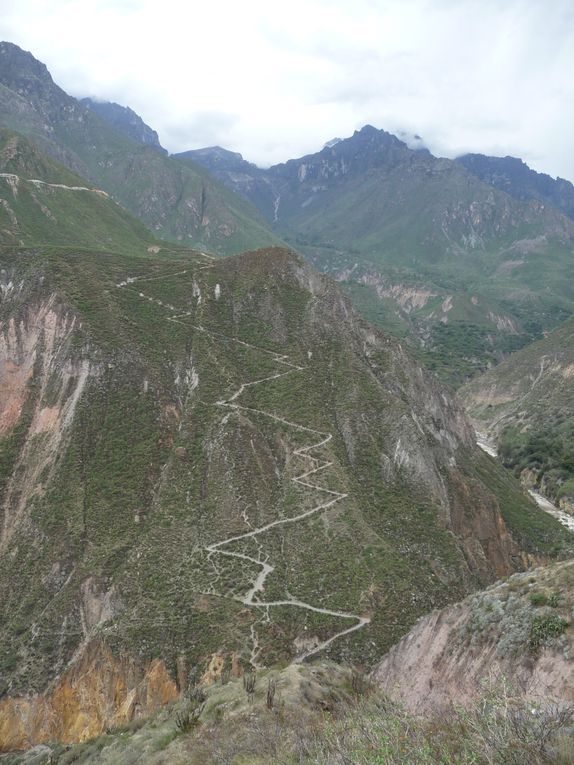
[[179, 202], [42, 202]]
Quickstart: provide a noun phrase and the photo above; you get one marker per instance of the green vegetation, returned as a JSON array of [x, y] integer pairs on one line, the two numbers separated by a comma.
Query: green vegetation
[[544, 629], [547, 451], [63, 209], [459, 351], [179, 201], [119, 495], [331, 724], [148, 476]]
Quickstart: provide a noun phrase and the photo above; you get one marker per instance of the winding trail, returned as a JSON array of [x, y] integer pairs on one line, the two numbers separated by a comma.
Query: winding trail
[[12, 178], [318, 439]]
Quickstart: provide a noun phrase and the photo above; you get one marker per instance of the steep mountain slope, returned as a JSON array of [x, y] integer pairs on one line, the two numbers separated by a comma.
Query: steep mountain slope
[[513, 176], [178, 202], [125, 120], [527, 405], [217, 463], [41, 201], [424, 247], [236, 173], [515, 635]]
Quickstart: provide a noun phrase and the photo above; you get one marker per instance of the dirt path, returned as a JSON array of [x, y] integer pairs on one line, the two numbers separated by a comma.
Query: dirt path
[[13, 178], [318, 439]]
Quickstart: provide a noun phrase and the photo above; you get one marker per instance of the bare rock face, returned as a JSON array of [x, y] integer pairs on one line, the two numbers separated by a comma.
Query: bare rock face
[[517, 632], [41, 383], [99, 691]]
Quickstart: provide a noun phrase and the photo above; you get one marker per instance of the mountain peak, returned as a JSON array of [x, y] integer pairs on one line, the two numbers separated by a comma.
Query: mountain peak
[[367, 129], [21, 71]]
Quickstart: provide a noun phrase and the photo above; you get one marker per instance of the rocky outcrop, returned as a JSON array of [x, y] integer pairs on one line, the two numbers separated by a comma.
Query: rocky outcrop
[[99, 691], [41, 382], [515, 633]]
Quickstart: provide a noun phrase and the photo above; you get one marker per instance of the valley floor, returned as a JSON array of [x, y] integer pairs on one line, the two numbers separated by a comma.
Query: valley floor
[[488, 446]]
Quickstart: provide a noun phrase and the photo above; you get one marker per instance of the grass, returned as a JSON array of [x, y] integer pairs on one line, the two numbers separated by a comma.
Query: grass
[[364, 728]]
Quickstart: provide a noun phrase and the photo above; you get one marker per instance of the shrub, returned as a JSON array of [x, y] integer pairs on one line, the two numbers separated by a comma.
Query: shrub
[[554, 600], [187, 719], [543, 629]]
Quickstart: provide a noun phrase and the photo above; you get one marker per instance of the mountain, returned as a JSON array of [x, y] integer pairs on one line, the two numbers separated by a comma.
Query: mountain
[[219, 160], [243, 177], [210, 464], [181, 203], [526, 405], [43, 202], [425, 248], [161, 516], [125, 120], [513, 176]]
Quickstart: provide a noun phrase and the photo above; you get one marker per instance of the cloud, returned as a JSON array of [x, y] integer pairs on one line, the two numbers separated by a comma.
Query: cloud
[[275, 81]]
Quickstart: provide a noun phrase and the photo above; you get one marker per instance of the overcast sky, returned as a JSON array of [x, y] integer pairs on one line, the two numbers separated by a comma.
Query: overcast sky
[[276, 80]]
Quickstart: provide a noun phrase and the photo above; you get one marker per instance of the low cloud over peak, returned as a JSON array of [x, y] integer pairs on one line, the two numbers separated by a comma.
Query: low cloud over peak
[[275, 82]]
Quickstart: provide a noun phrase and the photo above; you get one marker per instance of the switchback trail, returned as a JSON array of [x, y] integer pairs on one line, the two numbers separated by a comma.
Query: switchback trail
[[317, 438]]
